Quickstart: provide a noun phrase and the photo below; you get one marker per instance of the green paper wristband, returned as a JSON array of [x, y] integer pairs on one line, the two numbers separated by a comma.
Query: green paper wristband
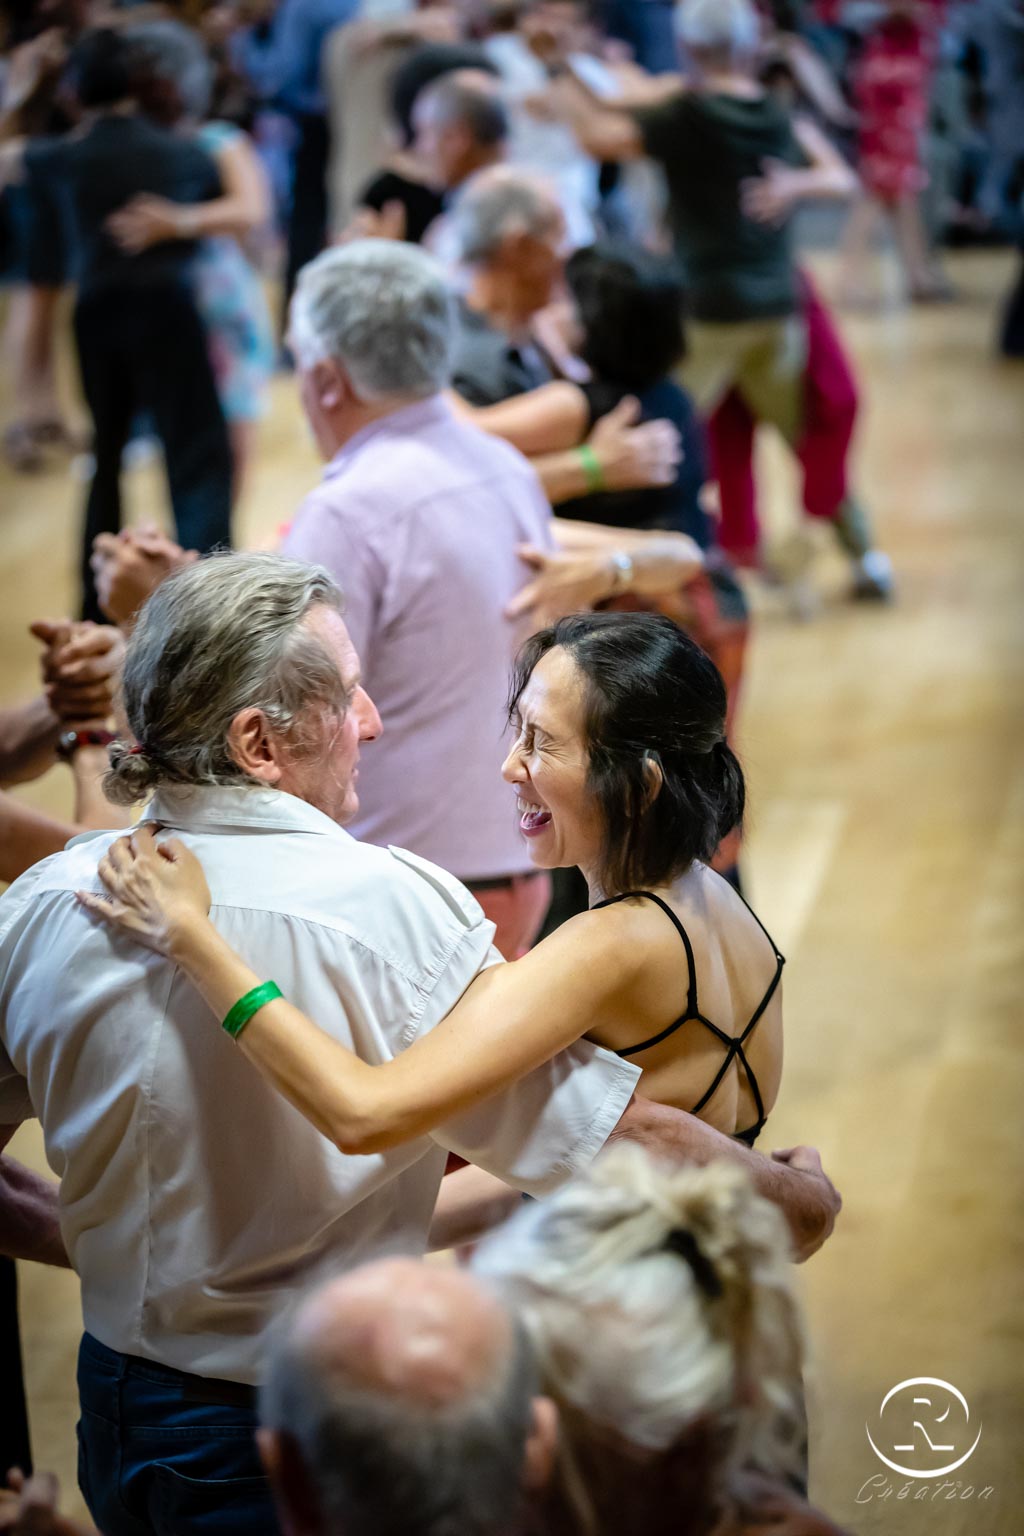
[[591, 468], [246, 1006]]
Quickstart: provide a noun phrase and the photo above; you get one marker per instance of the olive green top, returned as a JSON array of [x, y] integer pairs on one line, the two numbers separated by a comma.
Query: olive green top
[[708, 145]]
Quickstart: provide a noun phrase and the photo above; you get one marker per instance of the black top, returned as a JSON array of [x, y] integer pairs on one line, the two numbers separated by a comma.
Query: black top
[[733, 1043], [421, 203], [676, 506], [104, 168], [735, 267]]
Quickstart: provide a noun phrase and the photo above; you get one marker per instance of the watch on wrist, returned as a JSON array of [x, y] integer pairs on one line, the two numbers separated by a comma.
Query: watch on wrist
[[68, 742], [622, 569]]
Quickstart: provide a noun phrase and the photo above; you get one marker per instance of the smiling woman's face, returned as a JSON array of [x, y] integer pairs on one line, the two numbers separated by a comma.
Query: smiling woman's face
[[548, 764]]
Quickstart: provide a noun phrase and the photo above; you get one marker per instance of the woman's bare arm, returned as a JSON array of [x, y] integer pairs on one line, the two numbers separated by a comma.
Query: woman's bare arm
[[511, 1018], [469, 1203], [28, 835], [629, 454], [246, 203], [636, 89], [588, 567], [602, 129], [545, 420], [814, 78], [771, 197], [28, 740]]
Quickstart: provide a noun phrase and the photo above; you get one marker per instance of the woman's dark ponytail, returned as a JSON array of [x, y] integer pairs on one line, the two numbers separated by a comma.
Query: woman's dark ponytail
[[728, 786]]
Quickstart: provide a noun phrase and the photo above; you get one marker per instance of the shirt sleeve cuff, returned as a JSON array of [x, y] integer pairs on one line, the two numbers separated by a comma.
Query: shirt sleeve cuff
[[621, 1081], [552, 1123]]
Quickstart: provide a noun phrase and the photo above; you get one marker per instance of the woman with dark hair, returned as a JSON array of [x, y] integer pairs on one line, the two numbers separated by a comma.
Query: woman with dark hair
[[630, 308], [621, 767], [629, 329]]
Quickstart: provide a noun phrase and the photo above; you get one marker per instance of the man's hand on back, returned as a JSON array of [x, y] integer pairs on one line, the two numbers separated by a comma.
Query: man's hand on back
[[792, 1179], [807, 1161]]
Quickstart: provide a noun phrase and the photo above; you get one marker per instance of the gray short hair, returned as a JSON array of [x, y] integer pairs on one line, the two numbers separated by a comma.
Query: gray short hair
[[497, 202], [635, 1338], [219, 636], [383, 310], [718, 26], [168, 50], [471, 97], [380, 1466]]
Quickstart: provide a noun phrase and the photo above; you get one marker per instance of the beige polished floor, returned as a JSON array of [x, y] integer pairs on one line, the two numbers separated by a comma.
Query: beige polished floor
[[887, 825]]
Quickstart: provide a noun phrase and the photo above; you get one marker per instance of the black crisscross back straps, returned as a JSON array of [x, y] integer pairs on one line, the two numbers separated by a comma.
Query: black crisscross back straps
[[734, 1044]]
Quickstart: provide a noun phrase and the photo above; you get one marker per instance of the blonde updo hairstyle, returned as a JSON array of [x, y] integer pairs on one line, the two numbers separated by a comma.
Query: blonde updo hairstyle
[[660, 1303]]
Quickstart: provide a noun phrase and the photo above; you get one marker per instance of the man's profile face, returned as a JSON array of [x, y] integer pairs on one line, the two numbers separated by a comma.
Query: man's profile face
[[541, 260], [430, 142], [327, 777]]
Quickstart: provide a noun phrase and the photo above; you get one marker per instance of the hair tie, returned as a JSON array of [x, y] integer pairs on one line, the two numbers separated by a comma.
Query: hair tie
[[137, 751], [681, 1241]]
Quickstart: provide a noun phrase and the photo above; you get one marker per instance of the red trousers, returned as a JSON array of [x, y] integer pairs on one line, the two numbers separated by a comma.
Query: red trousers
[[830, 410]]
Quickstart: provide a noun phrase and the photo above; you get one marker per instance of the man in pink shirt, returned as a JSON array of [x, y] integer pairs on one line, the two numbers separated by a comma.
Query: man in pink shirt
[[418, 519]]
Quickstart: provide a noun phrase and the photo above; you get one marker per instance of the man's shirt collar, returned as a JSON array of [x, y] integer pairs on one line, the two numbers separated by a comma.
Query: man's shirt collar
[[408, 419], [229, 807]]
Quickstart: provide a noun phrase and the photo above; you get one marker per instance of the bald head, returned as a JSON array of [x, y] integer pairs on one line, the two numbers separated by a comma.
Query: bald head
[[427, 1336], [399, 1401]]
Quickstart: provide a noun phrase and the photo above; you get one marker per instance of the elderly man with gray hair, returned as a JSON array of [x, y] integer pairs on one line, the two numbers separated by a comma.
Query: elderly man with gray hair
[[193, 1197], [510, 235], [420, 519]]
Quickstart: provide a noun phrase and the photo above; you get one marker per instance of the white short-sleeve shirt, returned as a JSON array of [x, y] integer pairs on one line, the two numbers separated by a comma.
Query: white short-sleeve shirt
[[192, 1195]]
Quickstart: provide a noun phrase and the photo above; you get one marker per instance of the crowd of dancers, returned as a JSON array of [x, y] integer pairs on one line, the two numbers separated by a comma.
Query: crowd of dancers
[[442, 813]]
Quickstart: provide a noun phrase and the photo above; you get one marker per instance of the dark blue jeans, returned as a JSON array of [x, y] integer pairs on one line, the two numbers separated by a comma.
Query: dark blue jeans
[[160, 1455]]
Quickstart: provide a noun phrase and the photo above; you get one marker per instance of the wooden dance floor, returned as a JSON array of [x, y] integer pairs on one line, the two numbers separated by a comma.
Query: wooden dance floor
[[883, 747]]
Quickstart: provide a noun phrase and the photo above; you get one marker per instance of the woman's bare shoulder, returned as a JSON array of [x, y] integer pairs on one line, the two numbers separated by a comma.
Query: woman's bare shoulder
[[716, 917]]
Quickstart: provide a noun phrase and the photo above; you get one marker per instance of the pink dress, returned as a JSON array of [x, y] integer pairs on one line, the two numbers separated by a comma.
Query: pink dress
[[891, 88]]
